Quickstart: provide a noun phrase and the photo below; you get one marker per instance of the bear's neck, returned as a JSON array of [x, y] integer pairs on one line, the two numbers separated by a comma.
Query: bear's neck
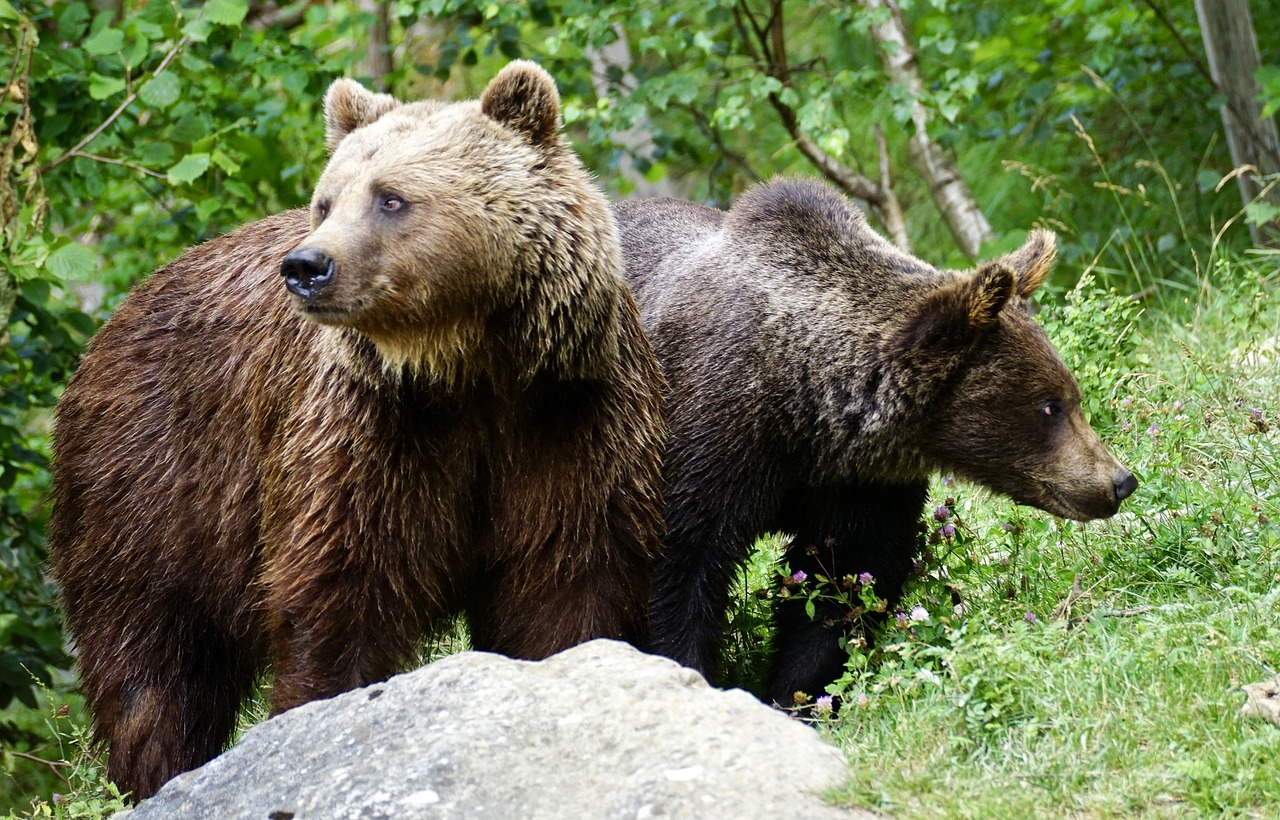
[[871, 413], [503, 353]]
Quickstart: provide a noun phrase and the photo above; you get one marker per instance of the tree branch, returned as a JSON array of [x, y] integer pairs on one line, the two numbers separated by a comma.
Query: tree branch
[[894, 220], [713, 133], [55, 765], [115, 115], [130, 165], [767, 48]]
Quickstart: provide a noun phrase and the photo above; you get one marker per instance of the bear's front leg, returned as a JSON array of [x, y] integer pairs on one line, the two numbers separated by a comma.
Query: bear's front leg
[[576, 519], [338, 632], [565, 566], [349, 597], [840, 531], [715, 509]]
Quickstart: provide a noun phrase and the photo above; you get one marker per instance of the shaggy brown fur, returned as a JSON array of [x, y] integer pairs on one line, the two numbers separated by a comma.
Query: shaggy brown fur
[[817, 376], [463, 418]]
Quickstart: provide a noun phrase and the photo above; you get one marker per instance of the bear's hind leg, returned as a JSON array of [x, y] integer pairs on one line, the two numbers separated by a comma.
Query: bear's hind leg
[[711, 528], [691, 591], [165, 706]]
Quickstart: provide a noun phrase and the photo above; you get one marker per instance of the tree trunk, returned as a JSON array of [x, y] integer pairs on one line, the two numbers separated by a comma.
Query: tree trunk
[[376, 63], [952, 196], [1232, 48]]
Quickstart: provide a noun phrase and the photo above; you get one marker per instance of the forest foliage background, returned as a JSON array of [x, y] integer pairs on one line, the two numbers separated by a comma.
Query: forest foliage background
[[132, 130]]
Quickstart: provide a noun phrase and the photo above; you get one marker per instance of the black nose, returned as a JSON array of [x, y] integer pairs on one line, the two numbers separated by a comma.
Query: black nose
[[307, 271], [1125, 484]]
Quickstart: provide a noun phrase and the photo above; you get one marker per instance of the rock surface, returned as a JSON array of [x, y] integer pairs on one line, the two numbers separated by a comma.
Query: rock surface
[[599, 731]]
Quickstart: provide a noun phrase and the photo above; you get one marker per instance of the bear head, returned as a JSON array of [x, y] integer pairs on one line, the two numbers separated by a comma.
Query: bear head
[[1009, 416], [451, 235]]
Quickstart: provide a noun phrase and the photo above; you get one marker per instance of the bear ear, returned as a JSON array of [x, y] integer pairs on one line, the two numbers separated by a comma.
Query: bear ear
[[348, 106], [1033, 261], [954, 315], [523, 97]]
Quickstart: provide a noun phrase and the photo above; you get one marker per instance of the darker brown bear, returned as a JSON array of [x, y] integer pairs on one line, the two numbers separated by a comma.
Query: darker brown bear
[[817, 375], [445, 406]]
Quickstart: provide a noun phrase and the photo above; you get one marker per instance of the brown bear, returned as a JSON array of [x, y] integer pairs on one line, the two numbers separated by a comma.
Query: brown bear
[[817, 376], [444, 406]]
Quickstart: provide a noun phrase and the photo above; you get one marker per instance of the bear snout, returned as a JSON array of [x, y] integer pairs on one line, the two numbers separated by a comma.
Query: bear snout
[[307, 271], [1125, 483]]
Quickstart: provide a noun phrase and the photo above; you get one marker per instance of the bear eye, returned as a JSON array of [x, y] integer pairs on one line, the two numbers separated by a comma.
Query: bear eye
[[1051, 409], [391, 203], [322, 210]]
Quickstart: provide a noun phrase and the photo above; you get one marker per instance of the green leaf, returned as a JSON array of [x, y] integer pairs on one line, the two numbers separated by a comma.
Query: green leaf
[[100, 87], [72, 261], [72, 22], [294, 82], [1268, 77], [948, 107], [161, 91], [208, 208], [188, 169], [189, 128], [225, 162], [1261, 213], [992, 49], [156, 154], [105, 41], [198, 30], [226, 12], [136, 52], [1207, 180]]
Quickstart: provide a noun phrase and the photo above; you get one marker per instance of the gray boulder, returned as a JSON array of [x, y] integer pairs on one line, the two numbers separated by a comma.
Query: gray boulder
[[599, 731]]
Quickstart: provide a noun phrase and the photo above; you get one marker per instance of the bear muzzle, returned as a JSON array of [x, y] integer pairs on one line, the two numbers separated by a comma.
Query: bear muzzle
[[1125, 483], [307, 271], [1087, 500]]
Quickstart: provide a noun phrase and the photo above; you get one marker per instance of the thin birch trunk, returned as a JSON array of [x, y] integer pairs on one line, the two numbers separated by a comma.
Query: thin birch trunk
[[376, 63], [952, 196]]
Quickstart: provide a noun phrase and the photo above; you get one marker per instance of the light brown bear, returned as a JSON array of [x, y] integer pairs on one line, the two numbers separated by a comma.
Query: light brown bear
[[446, 406]]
